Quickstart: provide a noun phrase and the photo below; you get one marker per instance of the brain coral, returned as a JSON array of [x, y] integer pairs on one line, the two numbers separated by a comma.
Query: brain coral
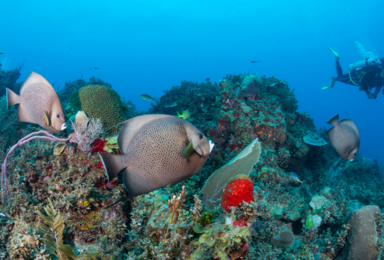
[[99, 102]]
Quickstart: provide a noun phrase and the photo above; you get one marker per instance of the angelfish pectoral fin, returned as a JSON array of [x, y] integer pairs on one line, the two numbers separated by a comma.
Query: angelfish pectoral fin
[[188, 151], [47, 118]]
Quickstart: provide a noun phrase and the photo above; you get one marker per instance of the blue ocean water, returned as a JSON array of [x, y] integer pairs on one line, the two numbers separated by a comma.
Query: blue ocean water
[[149, 46]]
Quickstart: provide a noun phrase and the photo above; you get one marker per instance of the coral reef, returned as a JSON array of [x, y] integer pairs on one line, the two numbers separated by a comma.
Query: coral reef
[[9, 131], [307, 202], [8, 79], [77, 187], [70, 87], [98, 102], [364, 241]]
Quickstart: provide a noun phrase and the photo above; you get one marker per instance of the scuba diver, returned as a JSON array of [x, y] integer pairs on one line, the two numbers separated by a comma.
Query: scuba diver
[[368, 74]]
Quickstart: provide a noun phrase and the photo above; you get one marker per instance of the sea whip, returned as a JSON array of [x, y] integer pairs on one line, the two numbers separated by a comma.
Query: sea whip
[[22, 141]]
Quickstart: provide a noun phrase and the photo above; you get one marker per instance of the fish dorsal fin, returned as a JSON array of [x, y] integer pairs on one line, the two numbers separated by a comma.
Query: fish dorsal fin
[[24, 116], [188, 151], [132, 126], [351, 124], [47, 117], [334, 120], [33, 79]]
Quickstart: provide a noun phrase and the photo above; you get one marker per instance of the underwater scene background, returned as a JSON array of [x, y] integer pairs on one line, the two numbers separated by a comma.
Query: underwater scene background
[[248, 75]]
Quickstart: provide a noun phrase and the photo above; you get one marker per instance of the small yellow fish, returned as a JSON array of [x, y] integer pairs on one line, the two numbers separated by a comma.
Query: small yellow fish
[[1, 52], [184, 115], [146, 97]]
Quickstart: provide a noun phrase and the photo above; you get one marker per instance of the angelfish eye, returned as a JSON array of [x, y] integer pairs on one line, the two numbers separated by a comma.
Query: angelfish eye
[[200, 136], [58, 116]]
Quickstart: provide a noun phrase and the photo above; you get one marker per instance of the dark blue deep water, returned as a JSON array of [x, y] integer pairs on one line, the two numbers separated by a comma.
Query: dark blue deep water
[[148, 46]]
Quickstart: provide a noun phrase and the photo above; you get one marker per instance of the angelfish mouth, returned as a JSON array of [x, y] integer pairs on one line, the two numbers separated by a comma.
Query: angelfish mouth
[[63, 126]]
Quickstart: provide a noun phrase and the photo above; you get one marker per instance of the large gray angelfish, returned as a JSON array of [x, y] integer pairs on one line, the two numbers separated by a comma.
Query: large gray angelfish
[[157, 150], [344, 137], [39, 104]]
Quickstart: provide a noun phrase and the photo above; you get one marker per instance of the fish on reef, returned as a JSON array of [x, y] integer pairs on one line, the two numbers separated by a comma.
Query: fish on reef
[[146, 97], [38, 104], [96, 68], [255, 61], [295, 177], [174, 104], [184, 115], [157, 150], [344, 137]]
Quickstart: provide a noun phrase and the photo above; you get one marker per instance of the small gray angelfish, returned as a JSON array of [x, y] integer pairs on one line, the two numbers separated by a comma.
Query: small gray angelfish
[[345, 137], [157, 150], [39, 104]]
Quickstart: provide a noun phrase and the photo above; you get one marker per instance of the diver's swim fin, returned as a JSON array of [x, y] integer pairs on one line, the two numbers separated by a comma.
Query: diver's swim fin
[[334, 53], [331, 85]]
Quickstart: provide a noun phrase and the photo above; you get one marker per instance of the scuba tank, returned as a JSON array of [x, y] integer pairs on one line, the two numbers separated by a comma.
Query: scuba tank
[[362, 64]]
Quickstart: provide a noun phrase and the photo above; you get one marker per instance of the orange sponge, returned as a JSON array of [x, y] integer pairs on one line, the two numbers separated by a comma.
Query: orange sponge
[[238, 189]]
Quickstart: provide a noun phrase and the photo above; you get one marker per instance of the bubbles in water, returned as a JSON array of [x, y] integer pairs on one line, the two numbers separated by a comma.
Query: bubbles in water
[[363, 52]]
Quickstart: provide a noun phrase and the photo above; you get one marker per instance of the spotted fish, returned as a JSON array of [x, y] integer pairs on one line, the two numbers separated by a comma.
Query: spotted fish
[[345, 137], [157, 150], [39, 104]]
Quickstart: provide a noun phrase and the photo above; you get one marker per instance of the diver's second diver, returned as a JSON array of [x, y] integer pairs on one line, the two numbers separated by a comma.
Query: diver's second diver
[[368, 74]]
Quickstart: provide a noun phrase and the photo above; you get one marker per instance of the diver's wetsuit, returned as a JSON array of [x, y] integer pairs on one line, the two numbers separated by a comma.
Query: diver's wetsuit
[[367, 77]]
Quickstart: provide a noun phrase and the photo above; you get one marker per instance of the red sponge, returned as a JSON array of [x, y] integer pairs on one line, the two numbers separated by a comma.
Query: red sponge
[[238, 189]]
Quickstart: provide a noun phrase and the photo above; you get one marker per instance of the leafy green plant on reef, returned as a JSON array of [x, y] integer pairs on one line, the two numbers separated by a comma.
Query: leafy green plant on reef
[[52, 230]]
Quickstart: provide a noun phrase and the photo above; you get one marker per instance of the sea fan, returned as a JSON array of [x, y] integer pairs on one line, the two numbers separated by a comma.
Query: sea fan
[[52, 231]]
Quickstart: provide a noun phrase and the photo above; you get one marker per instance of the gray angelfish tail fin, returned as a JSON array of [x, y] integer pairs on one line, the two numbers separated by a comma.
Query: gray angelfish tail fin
[[334, 120], [12, 98], [112, 163]]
